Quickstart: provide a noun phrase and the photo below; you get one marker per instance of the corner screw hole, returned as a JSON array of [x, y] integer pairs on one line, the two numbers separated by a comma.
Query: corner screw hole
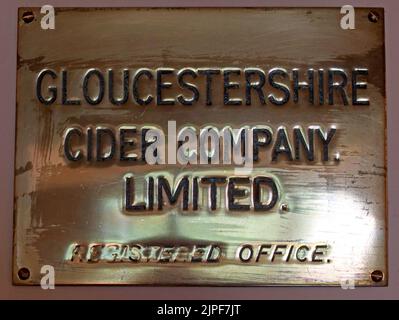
[[373, 16], [377, 276], [24, 273], [28, 16]]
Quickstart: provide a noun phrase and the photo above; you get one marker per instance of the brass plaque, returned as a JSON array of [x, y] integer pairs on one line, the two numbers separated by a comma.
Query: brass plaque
[[201, 147]]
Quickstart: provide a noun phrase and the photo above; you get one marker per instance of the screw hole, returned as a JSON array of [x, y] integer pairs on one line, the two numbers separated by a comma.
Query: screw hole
[[377, 276], [373, 16], [28, 16], [284, 207], [24, 273]]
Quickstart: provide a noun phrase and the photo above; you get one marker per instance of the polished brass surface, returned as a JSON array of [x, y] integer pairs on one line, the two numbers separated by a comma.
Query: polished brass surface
[[72, 215]]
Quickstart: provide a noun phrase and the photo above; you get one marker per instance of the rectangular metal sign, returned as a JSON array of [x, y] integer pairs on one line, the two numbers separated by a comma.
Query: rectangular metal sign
[[201, 147]]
